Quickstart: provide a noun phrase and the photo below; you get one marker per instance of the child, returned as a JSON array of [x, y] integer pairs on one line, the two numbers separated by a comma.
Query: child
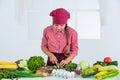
[[59, 42]]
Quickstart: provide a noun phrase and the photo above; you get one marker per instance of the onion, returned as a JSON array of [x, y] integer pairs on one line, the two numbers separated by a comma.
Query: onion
[[77, 70]]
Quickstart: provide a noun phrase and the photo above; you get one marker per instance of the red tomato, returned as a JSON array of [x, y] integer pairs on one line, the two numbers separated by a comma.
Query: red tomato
[[107, 60]]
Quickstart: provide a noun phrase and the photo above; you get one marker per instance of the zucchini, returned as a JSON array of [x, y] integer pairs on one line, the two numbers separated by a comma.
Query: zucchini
[[88, 72], [109, 74]]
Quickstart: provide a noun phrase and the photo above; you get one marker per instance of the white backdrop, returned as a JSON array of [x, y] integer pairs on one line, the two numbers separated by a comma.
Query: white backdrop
[[85, 17], [16, 40]]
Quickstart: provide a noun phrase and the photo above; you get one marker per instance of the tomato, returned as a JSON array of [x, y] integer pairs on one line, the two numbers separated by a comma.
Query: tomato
[[107, 60]]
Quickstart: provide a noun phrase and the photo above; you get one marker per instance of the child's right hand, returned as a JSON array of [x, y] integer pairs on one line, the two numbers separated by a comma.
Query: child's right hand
[[53, 59]]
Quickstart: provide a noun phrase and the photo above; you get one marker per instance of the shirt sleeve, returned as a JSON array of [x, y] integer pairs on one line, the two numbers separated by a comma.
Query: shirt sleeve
[[74, 43], [44, 39]]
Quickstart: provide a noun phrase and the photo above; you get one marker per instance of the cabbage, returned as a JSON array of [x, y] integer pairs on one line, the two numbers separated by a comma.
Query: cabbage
[[35, 62], [84, 65], [22, 64]]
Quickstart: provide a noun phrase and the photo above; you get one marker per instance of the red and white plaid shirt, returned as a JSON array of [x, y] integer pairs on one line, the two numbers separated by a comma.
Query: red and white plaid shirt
[[55, 40]]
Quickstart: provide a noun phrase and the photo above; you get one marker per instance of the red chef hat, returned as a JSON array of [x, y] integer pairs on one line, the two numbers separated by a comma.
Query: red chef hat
[[60, 16]]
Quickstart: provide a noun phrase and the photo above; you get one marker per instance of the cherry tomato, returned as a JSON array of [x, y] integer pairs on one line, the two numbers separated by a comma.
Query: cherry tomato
[[107, 60]]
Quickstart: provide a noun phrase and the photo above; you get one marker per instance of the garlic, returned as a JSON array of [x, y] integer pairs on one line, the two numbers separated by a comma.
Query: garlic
[[72, 74], [53, 72], [63, 73]]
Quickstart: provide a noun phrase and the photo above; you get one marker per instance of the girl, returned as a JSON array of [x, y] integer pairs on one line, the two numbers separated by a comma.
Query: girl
[[59, 42]]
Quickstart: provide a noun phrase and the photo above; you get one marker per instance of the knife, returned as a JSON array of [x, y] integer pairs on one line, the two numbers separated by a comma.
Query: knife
[[59, 66]]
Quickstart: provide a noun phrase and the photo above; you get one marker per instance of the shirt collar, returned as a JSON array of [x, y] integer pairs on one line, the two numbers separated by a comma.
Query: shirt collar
[[56, 31]]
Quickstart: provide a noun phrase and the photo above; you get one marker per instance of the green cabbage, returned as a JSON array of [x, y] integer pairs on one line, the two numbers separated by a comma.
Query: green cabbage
[[84, 65], [22, 64], [35, 62]]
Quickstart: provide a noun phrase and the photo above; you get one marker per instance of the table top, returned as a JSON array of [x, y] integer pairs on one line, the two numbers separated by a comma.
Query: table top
[[59, 78]]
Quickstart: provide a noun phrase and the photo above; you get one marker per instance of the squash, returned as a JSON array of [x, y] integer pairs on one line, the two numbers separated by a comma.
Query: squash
[[7, 62], [8, 65], [100, 73], [110, 74]]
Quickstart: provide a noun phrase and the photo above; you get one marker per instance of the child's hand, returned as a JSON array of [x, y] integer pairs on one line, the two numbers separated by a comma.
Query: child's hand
[[63, 62], [53, 59]]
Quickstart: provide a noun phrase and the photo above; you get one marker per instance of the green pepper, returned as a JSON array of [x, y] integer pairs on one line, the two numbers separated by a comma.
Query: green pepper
[[103, 64], [70, 66], [114, 63]]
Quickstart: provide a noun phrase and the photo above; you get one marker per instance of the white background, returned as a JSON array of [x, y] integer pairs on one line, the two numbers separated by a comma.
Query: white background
[[16, 41]]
